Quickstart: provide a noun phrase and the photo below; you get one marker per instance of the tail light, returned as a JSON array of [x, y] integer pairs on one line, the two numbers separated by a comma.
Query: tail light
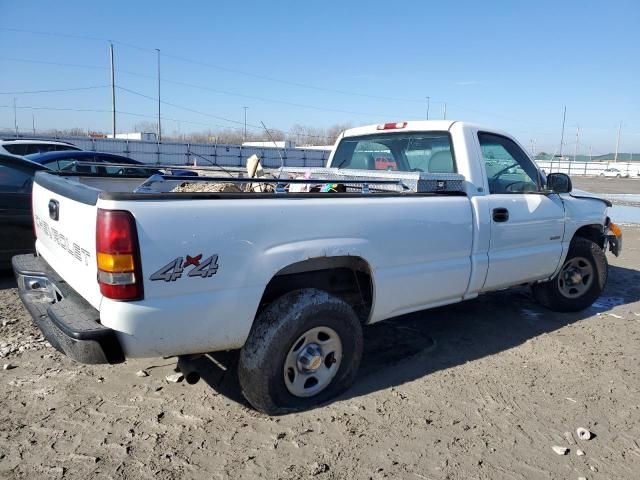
[[392, 126], [118, 255]]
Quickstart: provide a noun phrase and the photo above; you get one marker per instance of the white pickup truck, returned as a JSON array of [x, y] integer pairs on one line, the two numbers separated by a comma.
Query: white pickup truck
[[292, 278]]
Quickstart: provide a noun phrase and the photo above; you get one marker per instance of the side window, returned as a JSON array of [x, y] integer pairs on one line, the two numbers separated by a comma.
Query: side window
[[69, 164], [58, 164], [15, 149], [14, 180], [59, 148], [509, 169], [39, 148]]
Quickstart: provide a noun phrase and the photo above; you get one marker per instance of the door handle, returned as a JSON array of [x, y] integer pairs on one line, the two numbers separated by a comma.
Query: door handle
[[500, 215]]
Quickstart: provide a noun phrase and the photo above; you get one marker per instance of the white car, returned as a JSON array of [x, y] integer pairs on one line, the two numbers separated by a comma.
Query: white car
[[614, 172], [26, 146], [128, 267]]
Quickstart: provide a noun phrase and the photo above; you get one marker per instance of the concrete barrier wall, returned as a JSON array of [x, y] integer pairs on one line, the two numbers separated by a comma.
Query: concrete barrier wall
[[588, 168], [177, 153]]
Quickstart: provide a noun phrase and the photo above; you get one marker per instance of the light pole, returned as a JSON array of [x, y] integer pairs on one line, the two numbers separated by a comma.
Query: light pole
[[15, 116], [615, 158], [244, 138], [564, 116], [113, 91], [159, 124], [428, 105]]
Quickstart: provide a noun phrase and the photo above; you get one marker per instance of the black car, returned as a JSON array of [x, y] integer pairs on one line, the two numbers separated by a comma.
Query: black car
[[70, 161], [16, 222]]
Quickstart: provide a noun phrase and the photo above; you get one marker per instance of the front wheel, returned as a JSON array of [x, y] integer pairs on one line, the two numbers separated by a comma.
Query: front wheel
[[303, 350], [580, 281]]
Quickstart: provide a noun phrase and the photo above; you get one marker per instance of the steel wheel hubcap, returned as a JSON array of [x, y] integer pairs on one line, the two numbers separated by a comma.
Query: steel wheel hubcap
[[575, 277], [312, 362]]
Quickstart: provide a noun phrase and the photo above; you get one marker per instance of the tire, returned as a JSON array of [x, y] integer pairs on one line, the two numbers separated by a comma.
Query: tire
[[618, 176], [561, 294], [266, 372]]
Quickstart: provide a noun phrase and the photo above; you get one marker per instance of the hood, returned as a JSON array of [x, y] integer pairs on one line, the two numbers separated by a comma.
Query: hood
[[576, 193]]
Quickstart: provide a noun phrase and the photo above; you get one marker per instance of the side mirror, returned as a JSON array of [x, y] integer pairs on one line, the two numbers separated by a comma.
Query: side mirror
[[559, 183]]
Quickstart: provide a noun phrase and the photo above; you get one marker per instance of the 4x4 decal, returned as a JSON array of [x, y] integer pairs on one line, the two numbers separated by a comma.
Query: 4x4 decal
[[174, 269]]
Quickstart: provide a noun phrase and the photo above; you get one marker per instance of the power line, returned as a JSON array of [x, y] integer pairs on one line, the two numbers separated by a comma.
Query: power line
[[270, 100], [75, 89], [201, 87], [76, 36], [134, 114], [224, 119]]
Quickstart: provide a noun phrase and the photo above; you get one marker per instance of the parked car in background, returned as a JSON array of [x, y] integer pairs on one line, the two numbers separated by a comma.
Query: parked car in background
[[75, 161], [21, 147], [16, 221], [614, 172]]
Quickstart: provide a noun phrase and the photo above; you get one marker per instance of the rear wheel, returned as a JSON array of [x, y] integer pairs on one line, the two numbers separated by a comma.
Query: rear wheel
[[303, 349], [580, 281]]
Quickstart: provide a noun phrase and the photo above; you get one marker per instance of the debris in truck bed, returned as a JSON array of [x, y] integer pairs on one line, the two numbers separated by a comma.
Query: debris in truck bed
[[207, 187]]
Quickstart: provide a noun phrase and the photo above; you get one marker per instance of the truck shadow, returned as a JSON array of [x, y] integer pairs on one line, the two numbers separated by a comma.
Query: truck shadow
[[405, 348], [7, 280]]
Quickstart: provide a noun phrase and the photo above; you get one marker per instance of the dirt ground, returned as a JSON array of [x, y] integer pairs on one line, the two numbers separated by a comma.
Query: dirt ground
[[479, 390]]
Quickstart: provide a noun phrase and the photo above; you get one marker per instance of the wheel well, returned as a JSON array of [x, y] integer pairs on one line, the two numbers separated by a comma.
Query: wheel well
[[591, 232], [349, 278]]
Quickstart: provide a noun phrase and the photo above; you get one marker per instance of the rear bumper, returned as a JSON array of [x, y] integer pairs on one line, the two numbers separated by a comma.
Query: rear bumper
[[67, 320]]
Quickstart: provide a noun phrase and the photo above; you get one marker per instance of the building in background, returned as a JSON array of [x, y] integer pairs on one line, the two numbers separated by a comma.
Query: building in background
[[280, 144], [141, 136]]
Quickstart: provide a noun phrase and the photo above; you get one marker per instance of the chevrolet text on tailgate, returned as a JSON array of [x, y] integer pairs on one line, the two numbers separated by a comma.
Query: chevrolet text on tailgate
[[290, 266]]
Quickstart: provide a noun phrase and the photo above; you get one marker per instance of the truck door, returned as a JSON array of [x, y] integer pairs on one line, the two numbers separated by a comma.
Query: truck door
[[527, 226]]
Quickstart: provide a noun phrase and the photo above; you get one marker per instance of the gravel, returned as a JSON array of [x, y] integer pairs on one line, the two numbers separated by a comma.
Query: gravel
[[474, 390]]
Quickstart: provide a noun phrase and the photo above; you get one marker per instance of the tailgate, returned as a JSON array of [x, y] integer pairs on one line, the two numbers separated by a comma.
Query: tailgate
[[65, 222]]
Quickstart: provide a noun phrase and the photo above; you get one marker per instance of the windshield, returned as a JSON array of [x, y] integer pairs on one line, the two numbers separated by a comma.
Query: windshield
[[405, 152]]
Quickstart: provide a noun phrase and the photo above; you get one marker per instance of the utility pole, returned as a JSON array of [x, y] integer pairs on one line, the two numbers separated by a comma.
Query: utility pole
[[113, 92], [159, 124], [15, 116], [444, 110], [590, 152], [33, 123], [615, 157], [564, 117], [245, 124], [428, 105], [575, 151]]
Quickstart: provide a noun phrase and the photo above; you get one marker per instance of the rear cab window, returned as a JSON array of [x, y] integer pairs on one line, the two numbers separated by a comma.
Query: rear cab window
[[429, 152]]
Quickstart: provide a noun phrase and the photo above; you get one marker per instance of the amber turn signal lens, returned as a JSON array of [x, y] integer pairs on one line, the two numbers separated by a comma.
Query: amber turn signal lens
[[115, 263], [615, 229]]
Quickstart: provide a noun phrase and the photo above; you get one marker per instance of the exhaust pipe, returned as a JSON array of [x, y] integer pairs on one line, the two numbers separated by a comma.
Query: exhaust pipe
[[187, 367]]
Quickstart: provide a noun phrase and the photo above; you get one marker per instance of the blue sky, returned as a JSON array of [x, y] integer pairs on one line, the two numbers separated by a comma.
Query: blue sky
[[509, 64]]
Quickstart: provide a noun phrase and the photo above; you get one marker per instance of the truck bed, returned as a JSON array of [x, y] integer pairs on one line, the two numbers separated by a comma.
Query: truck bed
[[253, 240]]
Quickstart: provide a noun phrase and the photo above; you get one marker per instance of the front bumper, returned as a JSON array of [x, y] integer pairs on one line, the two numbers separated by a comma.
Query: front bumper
[[67, 320]]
